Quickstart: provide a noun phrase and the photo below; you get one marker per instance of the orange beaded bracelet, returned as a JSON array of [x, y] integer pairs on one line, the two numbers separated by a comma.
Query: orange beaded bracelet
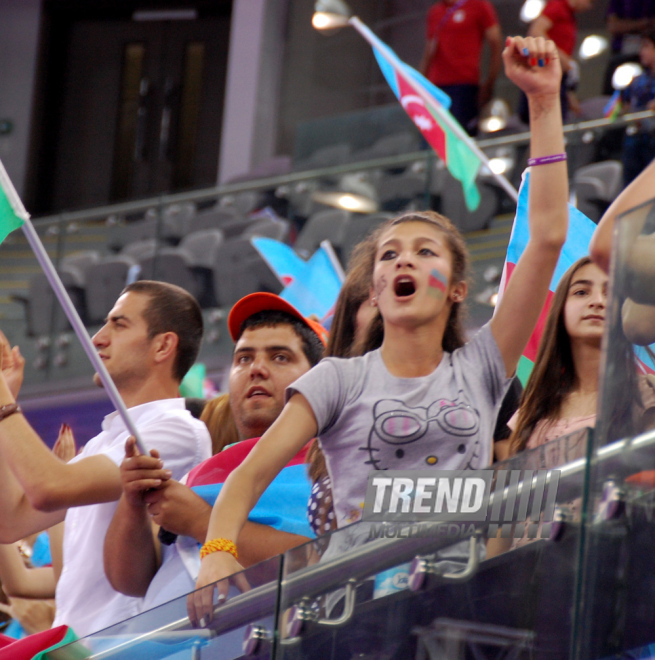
[[219, 545]]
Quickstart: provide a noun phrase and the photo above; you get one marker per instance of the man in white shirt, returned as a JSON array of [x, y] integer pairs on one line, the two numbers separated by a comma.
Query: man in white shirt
[[151, 338]]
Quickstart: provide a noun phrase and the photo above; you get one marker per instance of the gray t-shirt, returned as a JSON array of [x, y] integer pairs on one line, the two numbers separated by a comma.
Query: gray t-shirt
[[371, 420]]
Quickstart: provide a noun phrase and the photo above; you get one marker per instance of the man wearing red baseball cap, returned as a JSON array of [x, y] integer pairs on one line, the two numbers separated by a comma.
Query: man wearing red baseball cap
[[274, 345]]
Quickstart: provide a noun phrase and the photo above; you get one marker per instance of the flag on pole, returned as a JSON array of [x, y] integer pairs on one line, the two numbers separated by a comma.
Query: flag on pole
[[14, 215], [580, 231], [614, 106], [12, 211], [312, 286], [576, 246], [433, 119], [36, 646]]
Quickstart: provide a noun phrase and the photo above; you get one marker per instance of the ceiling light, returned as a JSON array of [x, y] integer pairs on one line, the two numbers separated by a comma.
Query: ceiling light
[[531, 9], [330, 15], [624, 74], [592, 46], [346, 201]]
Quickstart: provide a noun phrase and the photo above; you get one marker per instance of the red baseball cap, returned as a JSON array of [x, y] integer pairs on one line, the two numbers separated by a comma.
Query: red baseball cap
[[263, 301]]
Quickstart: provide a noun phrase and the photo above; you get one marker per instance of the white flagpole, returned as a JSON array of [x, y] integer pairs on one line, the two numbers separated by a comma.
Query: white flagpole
[[67, 305], [429, 101], [334, 260]]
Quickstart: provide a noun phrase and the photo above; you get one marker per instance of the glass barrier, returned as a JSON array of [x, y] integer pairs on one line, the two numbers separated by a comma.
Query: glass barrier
[[440, 589], [504, 584], [243, 624], [201, 239], [616, 588]]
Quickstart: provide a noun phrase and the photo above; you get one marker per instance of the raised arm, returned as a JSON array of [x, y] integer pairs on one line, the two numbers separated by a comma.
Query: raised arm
[[639, 191], [533, 65], [50, 484], [291, 431]]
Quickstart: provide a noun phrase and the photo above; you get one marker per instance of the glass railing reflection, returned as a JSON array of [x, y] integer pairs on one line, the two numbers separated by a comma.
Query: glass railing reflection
[[615, 618], [378, 591], [399, 590], [241, 622]]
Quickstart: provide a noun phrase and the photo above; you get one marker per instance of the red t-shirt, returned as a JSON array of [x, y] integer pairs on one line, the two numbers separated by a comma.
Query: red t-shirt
[[217, 469], [564, 29], [459, 41]]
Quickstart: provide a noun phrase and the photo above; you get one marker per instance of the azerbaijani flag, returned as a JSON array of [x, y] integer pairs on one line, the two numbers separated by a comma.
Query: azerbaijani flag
[[281, 259], [12, 211], [580, 231], [283, 505], [427, 107], [312, 286]]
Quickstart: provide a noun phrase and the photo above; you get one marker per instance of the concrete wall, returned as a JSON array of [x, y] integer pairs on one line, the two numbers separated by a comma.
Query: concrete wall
[[19, 27]]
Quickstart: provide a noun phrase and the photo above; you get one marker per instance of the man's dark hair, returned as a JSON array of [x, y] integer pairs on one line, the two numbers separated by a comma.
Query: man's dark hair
[[172, 309], [649, 34], [312, 346]]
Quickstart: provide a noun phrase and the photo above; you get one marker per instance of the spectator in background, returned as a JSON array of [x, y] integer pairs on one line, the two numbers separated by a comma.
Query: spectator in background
[[557, 22], [639, 142], [626, 20], [456, 33]]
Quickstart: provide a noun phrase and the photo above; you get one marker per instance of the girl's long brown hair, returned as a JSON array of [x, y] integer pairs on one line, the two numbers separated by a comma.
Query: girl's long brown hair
[[553, 377]]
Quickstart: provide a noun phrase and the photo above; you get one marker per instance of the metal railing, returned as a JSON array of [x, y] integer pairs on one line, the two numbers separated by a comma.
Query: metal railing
[[214, 192]]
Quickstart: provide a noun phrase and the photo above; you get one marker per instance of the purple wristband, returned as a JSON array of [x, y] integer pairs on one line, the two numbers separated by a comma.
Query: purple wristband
[[546, 160]]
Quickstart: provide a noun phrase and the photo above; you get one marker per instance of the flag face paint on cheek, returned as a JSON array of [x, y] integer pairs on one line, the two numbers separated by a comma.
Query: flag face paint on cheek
[[437, 284]]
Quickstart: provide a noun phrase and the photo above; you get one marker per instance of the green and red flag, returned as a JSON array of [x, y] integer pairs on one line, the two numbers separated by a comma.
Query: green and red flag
[[12, 216], [12, 211], [427, 107]]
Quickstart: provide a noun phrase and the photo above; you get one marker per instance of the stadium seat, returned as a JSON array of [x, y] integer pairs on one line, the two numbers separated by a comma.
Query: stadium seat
[[277, 229], [453, 205], [202, 247], [43, 312], [357, 229], [335, 154], [137, 249], [120, 235], [397, 191], [176, 222], [104, 282], [323, 225], [389, 145], [240, 270], [596, 186], [169, 264]]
